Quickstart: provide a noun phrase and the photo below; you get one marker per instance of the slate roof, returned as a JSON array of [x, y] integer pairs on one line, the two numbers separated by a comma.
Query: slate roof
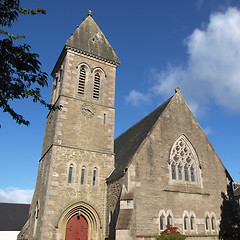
[[89, 38], [13, 216], [126, 145]]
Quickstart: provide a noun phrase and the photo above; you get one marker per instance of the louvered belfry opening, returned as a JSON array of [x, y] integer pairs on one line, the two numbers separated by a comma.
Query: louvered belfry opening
[[96, 87], [81, 83]]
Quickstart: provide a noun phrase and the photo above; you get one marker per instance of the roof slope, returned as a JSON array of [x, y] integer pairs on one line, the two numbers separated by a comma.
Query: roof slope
[[126, 145], [89, 38], [13, 216]]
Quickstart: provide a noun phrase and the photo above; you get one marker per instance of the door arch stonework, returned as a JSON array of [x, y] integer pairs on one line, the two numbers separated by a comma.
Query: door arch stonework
[[87, 213]]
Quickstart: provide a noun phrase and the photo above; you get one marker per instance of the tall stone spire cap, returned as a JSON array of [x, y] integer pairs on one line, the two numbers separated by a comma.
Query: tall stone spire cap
[[89, 40]]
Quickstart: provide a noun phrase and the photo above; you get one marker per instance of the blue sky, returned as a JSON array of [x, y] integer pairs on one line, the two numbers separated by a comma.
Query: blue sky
[[161, 44]]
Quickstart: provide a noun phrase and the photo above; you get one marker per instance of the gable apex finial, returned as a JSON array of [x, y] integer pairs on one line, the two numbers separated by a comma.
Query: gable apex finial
[[177, 90], [89, 13]]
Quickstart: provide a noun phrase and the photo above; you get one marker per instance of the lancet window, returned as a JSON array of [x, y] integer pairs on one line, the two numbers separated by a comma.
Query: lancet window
[[70, 173], [184, 164], [161, 222], [94, 176], [82, 80], [83, 175], [96, 86]]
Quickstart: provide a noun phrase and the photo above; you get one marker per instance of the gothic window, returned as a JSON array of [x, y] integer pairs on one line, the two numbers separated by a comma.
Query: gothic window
[[83, 174], [173, 171], [207, 223], [192, 170], [96, 86], [185, 222], [183, 161], [180, 176], [213, 223], [94, 176], [81, 81], [192, 223], [161, 222], [169, 220], [186, 172], [70, 173]]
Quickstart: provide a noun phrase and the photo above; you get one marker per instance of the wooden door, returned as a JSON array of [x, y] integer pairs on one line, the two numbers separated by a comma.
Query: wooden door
[[77, 228]]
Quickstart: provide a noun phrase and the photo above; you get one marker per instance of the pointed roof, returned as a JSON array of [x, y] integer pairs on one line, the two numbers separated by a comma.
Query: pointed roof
[[90, 40], [127, 144]]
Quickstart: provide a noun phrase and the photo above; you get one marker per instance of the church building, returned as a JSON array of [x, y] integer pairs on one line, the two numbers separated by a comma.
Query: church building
[[162, 171]]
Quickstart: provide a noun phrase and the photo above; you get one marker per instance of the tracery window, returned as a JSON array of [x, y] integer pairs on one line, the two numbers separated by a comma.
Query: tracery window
[[83, 174], [183, 161], [173, 171]]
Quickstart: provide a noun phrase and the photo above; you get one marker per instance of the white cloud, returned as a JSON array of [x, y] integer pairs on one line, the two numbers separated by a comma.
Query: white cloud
[[212, 72], [135, 98], [15, 195]]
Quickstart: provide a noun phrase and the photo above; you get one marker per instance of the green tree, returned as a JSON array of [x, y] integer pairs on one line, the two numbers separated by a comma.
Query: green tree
[[171, 233], [20, 70]]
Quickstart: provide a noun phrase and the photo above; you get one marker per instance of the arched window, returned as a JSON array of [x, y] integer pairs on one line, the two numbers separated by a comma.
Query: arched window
[[96, 86], [161, 222], [70, 173], [36, 216], [213, 223], [207, 223], [185, 222], [180, 175], [81, 81], [94, 176], [169, 220], [173, 171], [192, 222], [192, 170], [186, 173], [184, 158], [83, 174]]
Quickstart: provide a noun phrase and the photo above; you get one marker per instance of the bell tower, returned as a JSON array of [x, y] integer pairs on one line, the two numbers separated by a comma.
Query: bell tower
[[77, 155]]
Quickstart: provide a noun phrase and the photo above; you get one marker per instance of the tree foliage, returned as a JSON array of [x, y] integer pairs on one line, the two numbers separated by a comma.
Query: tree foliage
[[20, 70], [171, 233]]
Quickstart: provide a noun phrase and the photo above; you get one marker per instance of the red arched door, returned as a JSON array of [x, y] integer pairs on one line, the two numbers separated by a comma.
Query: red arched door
[[77, 228]]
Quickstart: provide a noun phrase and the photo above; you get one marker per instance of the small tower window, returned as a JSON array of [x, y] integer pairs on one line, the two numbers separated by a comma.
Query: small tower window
[[81, 82], [83, 174], [213, 223], [161, 222], [185, 222], [94, 176], [96, 86], [70, 172], [192, 223], [207, 223], [169, 220]]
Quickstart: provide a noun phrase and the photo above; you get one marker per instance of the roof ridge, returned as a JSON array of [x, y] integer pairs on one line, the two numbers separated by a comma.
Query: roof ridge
[[127, 144]]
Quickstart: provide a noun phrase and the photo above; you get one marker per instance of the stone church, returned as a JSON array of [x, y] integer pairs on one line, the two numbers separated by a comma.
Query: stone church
[[162, 171]]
